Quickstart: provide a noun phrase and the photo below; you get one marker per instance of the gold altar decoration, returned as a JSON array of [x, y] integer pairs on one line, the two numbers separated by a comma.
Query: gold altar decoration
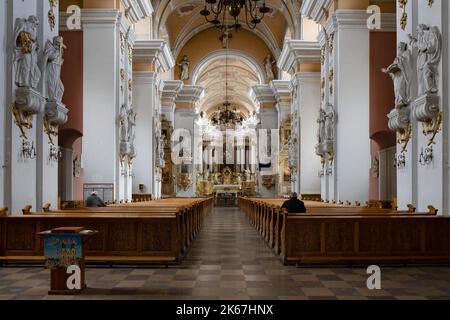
[[185, 180], [50, 129], [431, 128]]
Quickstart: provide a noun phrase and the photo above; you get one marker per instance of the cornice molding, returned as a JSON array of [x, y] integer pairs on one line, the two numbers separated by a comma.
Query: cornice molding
[[262, 93], [298, 51], [147, 77], [100, 17], [170, 91], [156, 52], [282, 90], [315, 9], [190, 94]]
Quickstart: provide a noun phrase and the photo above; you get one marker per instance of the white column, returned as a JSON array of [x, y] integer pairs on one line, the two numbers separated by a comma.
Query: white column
[[3, 76], [308, 86], [145, 96], [305, 107], [349, 94], [101, 96], [22, 185], [407, 174]]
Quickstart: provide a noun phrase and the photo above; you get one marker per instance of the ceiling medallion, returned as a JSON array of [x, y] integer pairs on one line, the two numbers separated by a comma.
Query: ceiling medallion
[[215, 12]]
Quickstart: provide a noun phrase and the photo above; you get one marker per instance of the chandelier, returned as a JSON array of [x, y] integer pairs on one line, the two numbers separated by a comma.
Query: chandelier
[[215, 12]]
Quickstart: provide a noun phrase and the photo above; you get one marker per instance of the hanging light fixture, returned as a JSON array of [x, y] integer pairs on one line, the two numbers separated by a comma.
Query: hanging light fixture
[[226, 116], [215, 12]]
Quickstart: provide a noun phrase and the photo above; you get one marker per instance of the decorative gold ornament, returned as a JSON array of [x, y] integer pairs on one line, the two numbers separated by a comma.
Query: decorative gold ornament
[[130, 54], [51, 130], [404, 18], [25, 42], [122, 43], [23, 120], [51, 14], [431, 128], [403, 137], [430, 3], [331, 75], [122, 79]]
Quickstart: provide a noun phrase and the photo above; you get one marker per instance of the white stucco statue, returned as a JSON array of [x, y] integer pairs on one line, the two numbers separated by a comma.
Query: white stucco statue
[[53, 59], [400, 71], [184, 66], [329, 124], [428, 41], [131, 126], [268, 66], [123, 118], [321, 130], [26, 47]]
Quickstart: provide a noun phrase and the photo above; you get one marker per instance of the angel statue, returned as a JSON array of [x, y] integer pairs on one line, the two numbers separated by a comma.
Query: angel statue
[[123, 119], [26, 47], [400, 72], [428, 41], [53, 61], [268, 66], [184, 66]]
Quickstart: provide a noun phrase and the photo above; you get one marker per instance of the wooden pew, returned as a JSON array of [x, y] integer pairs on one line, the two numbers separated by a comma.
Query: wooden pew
[[275, 226], [145, 234]]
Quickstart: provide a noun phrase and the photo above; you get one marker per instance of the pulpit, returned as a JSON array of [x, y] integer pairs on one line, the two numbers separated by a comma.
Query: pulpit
[[64, 250]]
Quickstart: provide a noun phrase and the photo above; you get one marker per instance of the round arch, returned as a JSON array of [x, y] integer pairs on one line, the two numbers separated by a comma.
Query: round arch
[[219, 54]]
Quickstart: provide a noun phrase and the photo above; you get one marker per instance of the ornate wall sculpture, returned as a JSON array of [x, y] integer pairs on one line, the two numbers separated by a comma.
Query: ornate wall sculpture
[[401, 73], [404, 18], [127, 130], [55, 110], [426, 108], [325, 133], [184, 68], [27, 74]]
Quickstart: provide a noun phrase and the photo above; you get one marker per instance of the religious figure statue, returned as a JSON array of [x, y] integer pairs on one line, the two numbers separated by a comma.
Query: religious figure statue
[[400, 72], [225, 37], [27, 73], [53, 59], [268, 66], [123, 119], [184, 66], [162, 143], [428, 41], [329, 124], [321, 122], [131, 126]]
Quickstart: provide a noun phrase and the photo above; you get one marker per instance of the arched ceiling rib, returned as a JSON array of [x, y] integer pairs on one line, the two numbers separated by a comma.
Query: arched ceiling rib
[[188, 11]]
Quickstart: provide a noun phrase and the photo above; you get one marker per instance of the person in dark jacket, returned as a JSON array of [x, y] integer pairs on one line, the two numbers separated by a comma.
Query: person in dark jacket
[[94, 200], [294, 205]]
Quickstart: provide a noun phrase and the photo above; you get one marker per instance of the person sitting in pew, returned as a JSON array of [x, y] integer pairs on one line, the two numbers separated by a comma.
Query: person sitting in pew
[[94, 200], [294, 205]]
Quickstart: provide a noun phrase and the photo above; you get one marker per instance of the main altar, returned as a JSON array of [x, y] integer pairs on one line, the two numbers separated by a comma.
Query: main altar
[[226, 186]]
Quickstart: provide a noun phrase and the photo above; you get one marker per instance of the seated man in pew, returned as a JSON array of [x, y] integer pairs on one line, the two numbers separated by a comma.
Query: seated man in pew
[[94, 201], [294, 205]]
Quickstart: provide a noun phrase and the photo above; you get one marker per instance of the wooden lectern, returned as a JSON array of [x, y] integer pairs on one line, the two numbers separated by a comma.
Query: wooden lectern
[[64, 247]]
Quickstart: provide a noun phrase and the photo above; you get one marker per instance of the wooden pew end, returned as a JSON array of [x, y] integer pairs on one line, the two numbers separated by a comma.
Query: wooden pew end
[[3, 211], [27, 209], [46, 207], [411, 208], [432, 210]]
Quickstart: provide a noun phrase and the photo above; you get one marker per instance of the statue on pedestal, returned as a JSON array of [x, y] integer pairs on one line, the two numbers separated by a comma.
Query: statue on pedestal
[[53, 58], [400, 72], [27, 73], [428, 41], [268, 66], [184, 66]]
